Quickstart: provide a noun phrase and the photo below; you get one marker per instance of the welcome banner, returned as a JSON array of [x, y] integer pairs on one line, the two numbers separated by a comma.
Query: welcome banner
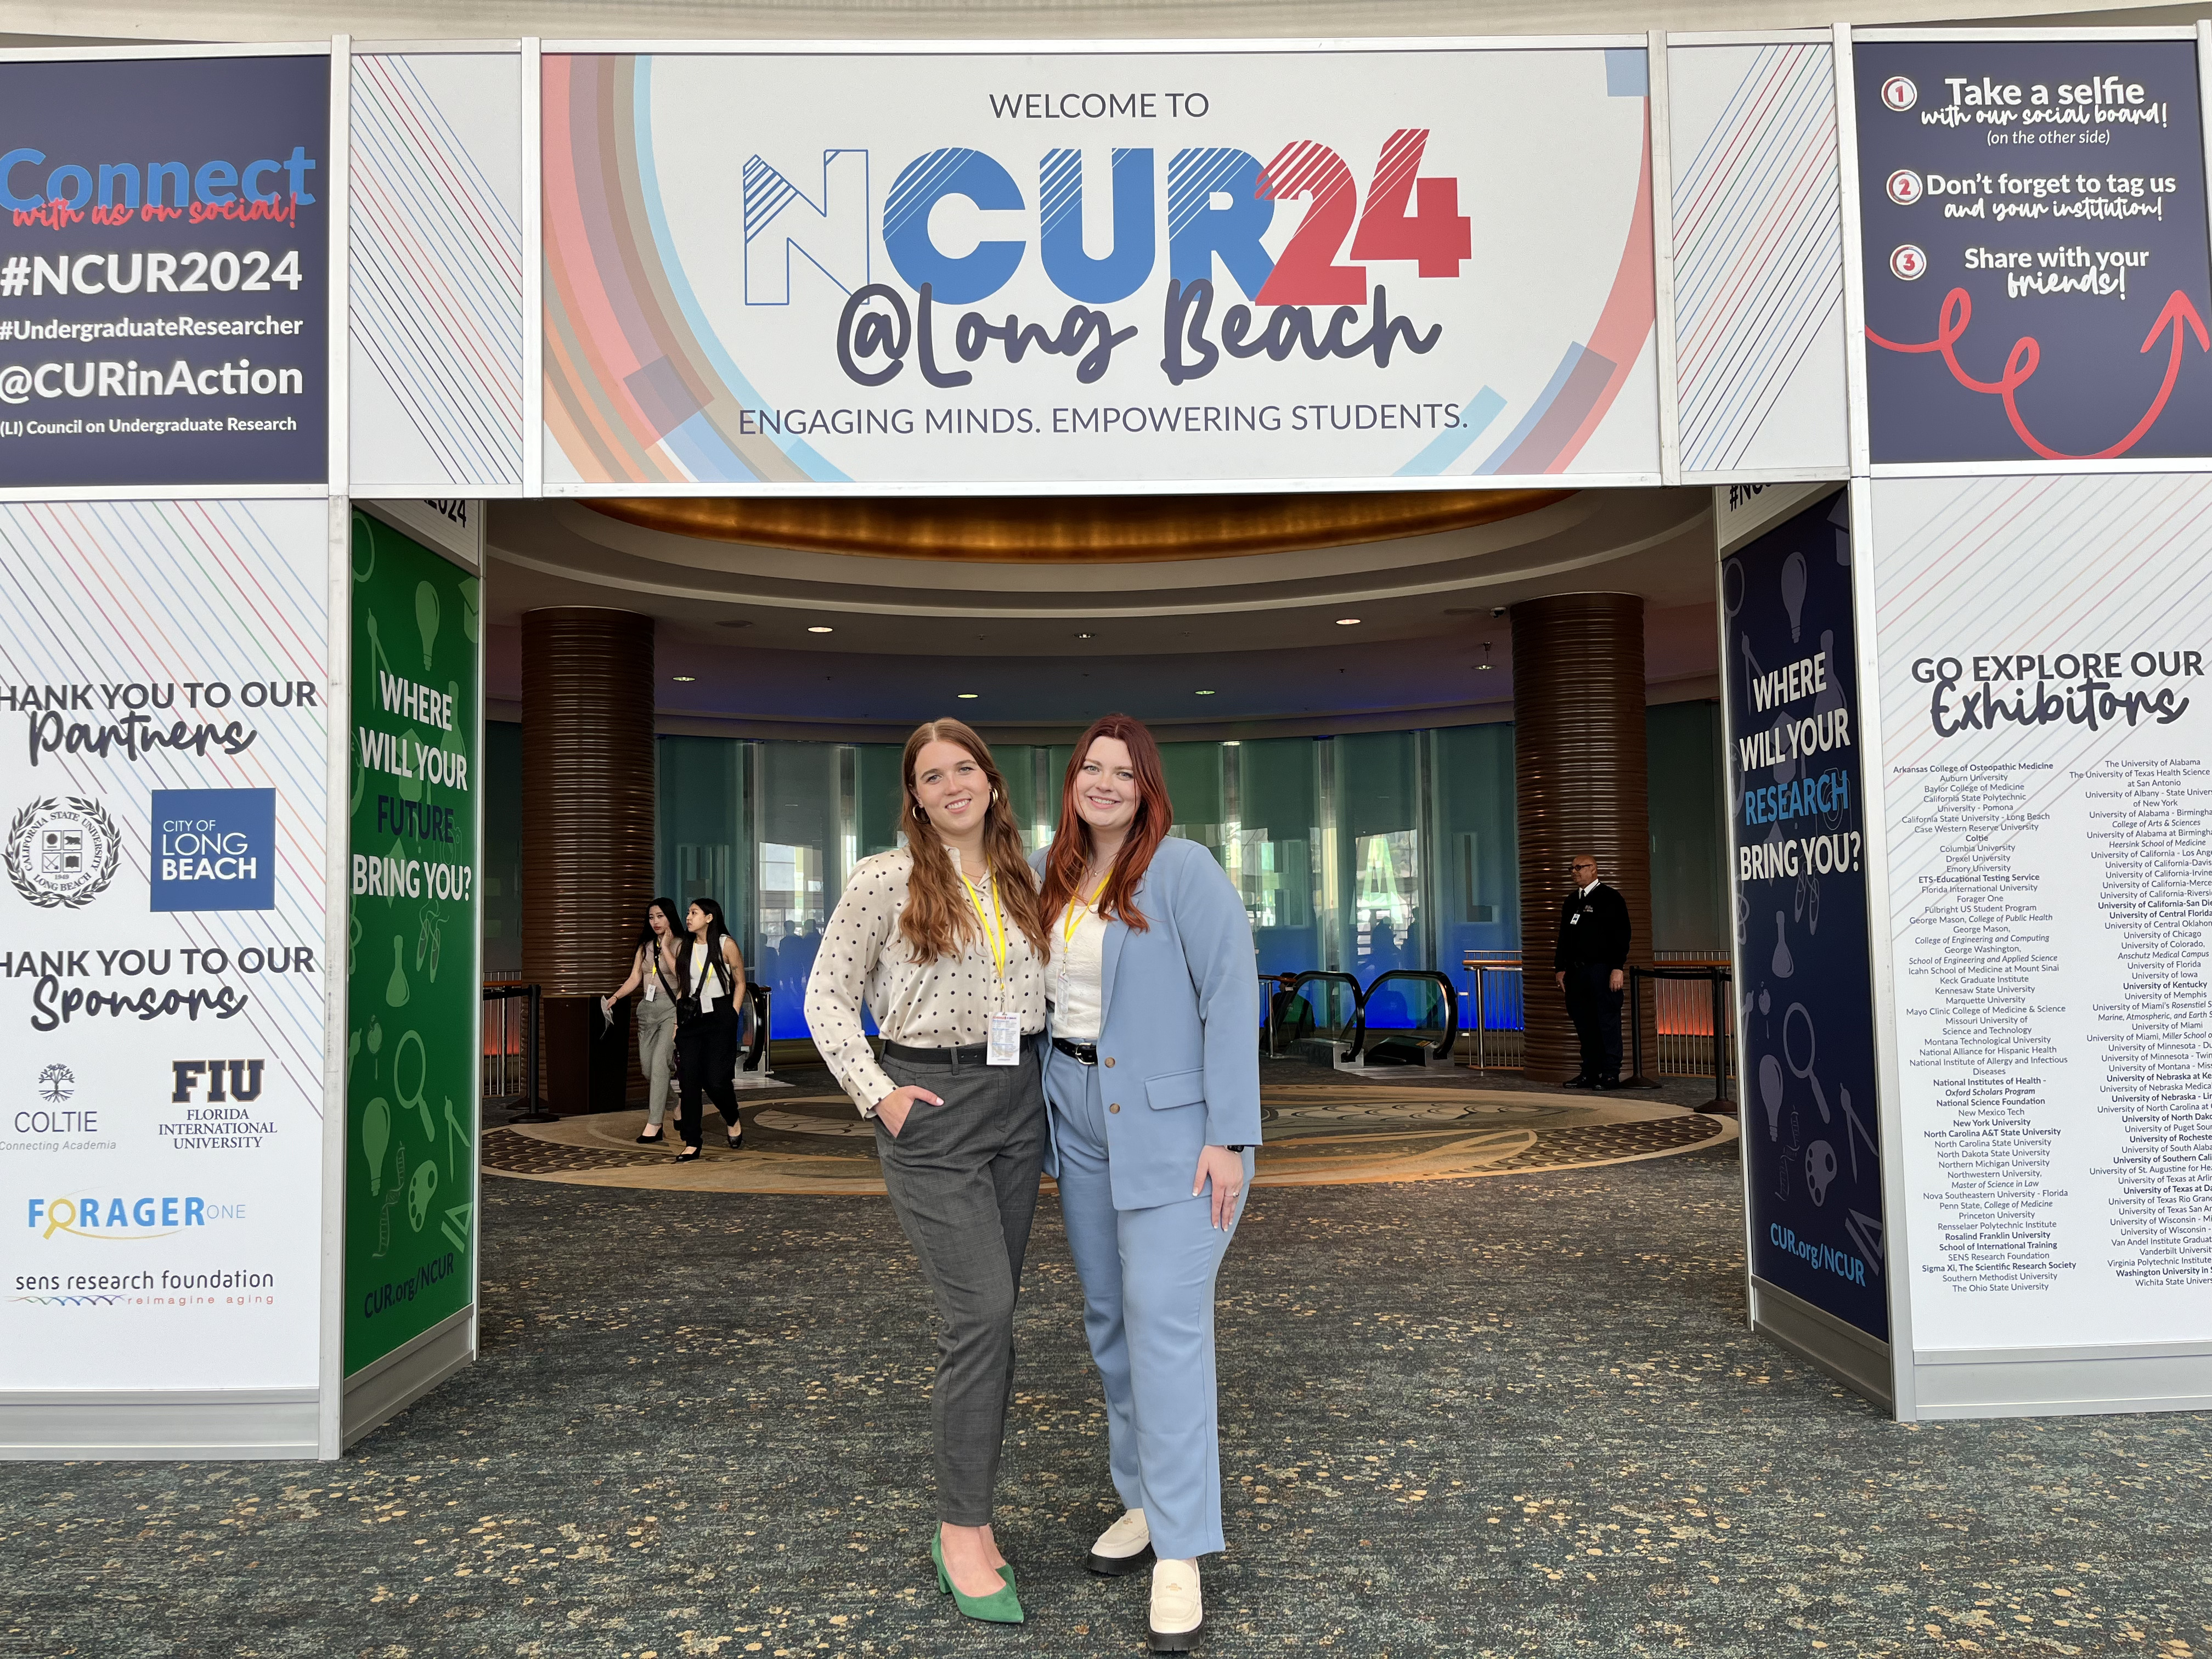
[[1042, 271]]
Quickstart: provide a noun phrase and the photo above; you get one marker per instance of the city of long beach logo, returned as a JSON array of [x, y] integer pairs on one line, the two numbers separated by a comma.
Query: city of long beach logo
[[62, 851]]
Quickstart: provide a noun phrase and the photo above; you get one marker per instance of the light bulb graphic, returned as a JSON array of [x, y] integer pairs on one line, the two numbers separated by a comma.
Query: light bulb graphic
[[426, 612], [471, 607], [1770, 1092], [1793, 591], [375, 1136], [1784, 963]]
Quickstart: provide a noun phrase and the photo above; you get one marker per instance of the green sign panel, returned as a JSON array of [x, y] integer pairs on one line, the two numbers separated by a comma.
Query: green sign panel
[[411, 992]]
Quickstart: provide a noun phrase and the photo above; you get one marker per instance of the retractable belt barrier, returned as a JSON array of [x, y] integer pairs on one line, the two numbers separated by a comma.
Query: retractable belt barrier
[[1352, 1052]]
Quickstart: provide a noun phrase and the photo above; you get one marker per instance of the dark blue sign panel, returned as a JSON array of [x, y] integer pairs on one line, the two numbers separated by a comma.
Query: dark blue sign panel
[[2038, 285], [1805, 1007], [164, 272]]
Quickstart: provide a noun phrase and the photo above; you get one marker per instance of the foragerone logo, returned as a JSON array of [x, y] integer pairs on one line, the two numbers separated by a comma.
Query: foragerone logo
[[91, 1216], [62, 851], [214, 849]]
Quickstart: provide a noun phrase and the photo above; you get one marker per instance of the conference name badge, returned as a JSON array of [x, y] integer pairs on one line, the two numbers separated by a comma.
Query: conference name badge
[[1005, 1046]]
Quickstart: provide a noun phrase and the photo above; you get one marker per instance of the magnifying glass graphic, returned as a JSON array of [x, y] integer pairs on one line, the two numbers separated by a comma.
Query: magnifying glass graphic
[[420, 1101], [1811, 1051]]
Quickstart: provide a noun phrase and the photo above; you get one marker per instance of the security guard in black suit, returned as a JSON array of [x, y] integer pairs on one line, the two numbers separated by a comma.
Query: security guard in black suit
[[1590, 964]]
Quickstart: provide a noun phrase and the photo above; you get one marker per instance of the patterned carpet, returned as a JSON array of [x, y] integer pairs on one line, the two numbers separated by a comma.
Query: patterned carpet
[[1319, 1128], [1517, 1415]]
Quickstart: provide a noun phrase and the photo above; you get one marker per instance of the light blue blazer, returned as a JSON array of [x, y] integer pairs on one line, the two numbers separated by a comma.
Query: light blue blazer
[[1179, 1039]]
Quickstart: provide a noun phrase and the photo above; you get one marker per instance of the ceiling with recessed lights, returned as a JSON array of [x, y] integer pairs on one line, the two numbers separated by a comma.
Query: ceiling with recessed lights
[[1395, 631]]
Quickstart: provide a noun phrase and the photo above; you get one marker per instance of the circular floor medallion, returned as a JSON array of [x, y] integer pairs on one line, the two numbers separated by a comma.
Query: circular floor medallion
[[1314, 1134]]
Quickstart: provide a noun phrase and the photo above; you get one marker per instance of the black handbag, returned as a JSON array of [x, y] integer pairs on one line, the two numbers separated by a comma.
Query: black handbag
[[687, 1006]]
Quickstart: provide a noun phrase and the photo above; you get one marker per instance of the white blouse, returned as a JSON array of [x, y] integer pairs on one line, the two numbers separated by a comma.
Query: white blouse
[[946, 1003], [1078, 972], [706, 984]]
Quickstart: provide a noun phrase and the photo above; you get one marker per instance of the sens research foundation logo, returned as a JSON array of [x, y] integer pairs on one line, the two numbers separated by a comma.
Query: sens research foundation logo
[[214, 849], [62, 851]]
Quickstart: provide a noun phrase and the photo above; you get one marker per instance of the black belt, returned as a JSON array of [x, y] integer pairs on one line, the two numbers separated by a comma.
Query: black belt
[[1087, 1053], [975, 1053]]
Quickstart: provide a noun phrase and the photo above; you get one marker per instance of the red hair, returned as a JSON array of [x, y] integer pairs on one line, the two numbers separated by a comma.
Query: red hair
[[1070, 844]]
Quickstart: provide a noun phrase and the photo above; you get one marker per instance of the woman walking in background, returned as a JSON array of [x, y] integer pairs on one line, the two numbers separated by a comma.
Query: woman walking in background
[[711, 973], [653, 966], [1154, 1082], [943, 941]]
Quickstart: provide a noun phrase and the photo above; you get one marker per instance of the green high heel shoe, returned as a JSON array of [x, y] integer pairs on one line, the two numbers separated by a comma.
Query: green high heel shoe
[[1000, 1608]]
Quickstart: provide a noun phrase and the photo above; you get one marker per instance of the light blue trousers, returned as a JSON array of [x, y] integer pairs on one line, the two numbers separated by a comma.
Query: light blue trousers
[[1148, 1310]]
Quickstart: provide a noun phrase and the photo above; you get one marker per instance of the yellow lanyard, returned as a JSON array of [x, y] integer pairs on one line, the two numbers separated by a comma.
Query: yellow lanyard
[[997, 940], [1078, 909]]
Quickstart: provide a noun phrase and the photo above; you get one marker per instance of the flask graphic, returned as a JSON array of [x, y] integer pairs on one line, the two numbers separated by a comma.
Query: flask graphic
[[1784, 964], [395, 990]]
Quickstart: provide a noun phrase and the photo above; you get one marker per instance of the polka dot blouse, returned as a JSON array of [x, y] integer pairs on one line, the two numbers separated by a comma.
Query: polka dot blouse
[[945, 1003]]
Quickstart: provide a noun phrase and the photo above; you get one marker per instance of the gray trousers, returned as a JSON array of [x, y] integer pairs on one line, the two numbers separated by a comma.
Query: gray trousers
[[962, 1178], [656, 1042]]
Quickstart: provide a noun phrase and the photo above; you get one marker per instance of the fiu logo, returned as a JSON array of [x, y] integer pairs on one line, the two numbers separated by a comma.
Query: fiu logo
[[244, 1079]]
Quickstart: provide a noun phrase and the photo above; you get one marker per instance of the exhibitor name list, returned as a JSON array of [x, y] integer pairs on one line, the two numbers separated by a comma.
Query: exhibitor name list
[[1990, 980]]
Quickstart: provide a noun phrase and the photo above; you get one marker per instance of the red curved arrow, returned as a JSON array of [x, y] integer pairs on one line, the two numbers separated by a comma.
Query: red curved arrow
[[2021, 361]]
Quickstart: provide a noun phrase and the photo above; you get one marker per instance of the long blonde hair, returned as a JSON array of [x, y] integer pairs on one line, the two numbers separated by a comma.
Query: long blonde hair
[[938, 919]]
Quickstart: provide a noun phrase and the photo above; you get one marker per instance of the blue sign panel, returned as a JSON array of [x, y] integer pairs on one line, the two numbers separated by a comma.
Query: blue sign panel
[[164, 272], [1805, 1007], [2037, 283], [214, 849]]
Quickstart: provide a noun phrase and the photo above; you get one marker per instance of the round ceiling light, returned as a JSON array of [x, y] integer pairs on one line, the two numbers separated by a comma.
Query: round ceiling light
[[821, 628], [1347, 622]]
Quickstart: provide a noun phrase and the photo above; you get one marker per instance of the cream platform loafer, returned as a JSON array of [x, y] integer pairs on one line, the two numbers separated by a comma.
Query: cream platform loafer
[[1123, 1548], [1177, 1616]]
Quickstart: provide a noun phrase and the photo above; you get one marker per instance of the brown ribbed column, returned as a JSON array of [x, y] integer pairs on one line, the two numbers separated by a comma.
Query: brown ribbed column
[[587, 827], [1579, 777]]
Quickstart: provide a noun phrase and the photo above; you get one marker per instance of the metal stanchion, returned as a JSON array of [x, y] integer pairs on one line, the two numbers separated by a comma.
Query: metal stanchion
[[1720, 1102], [535, 1110], [1636, 1079]]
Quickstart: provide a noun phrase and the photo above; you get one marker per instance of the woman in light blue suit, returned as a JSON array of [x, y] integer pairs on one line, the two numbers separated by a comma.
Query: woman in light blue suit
[[1153, 1083]]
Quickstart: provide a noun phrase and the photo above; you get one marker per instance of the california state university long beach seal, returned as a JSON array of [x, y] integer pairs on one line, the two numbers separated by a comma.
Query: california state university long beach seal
[[62, 851]]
